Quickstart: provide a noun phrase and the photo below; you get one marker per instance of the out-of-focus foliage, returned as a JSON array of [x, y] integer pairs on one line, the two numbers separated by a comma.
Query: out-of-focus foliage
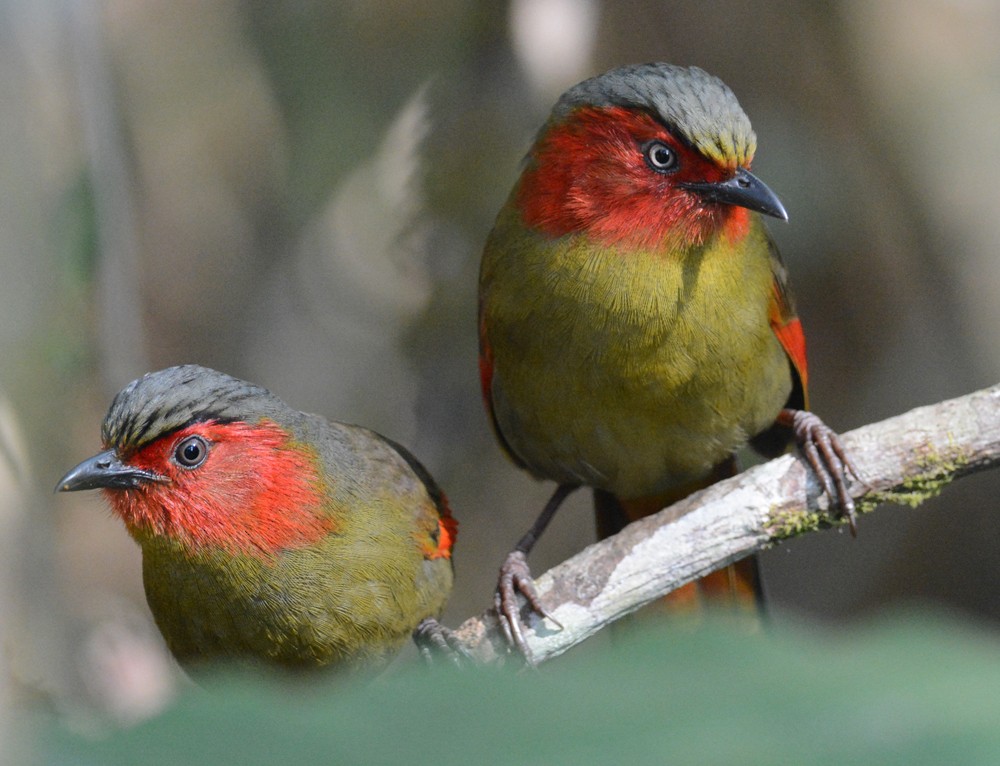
[[906, 691]]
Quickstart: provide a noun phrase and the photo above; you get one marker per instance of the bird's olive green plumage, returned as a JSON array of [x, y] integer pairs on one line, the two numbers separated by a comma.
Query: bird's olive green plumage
[[631, 373], [364, 559]]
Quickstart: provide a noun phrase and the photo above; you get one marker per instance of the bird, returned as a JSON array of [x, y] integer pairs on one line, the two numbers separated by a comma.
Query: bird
[[271, 537], [636, 324]]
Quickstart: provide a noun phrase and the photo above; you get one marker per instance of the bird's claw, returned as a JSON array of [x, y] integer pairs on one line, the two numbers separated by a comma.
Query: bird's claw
[[515, 577], [435, 641], [829, 461]]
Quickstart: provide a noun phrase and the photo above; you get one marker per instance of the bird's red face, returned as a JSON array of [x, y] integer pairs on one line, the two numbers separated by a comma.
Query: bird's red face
[[245, 488], [619, 176]]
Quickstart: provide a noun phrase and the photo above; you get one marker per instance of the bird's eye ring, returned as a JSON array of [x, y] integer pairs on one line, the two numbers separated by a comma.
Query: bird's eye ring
[[660, 157], [191, 452]]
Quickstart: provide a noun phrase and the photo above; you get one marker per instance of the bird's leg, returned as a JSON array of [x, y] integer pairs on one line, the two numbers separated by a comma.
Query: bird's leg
[[434, 640], [822, 448], [515, 577]]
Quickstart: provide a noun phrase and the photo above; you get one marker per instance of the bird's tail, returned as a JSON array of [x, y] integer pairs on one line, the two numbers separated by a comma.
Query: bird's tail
[[736, 587]]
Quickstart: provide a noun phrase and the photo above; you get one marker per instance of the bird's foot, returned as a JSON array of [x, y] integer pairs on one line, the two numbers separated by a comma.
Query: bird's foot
[[826, 455], [435, 641], [515, 577]]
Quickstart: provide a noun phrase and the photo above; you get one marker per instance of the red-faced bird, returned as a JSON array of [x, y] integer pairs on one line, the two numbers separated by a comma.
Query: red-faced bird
[[268, 535], [635, 320]]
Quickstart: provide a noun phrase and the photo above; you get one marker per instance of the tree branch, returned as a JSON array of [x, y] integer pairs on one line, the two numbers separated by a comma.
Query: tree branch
[[904, 460]]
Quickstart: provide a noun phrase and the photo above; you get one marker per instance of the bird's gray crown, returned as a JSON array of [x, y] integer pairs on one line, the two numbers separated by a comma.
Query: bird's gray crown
[[698, 106], [164, 401]]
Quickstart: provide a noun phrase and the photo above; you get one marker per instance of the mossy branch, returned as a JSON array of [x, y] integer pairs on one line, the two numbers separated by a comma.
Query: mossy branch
[[904, 460]]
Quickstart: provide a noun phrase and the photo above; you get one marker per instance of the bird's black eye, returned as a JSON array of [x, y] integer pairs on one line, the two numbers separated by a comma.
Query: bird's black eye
[[660, 157], [191, 452]]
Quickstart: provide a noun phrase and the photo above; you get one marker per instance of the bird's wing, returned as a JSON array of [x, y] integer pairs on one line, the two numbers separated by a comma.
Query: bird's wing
[[486, 383], [788, 329], [437, 528]]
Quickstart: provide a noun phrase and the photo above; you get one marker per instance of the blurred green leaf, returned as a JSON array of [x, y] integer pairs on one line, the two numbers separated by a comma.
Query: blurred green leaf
[[75, 232], [911, 690]]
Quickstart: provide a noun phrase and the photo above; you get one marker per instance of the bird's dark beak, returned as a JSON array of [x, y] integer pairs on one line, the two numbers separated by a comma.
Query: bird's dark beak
[[105, 471], [743, 189]]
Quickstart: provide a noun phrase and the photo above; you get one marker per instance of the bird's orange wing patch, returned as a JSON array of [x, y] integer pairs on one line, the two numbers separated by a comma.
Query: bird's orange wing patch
[[447, 530], [788, 330], [793, 340]]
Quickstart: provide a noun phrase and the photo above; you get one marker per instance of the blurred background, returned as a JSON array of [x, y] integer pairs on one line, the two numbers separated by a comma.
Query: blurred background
[[297, 192]]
